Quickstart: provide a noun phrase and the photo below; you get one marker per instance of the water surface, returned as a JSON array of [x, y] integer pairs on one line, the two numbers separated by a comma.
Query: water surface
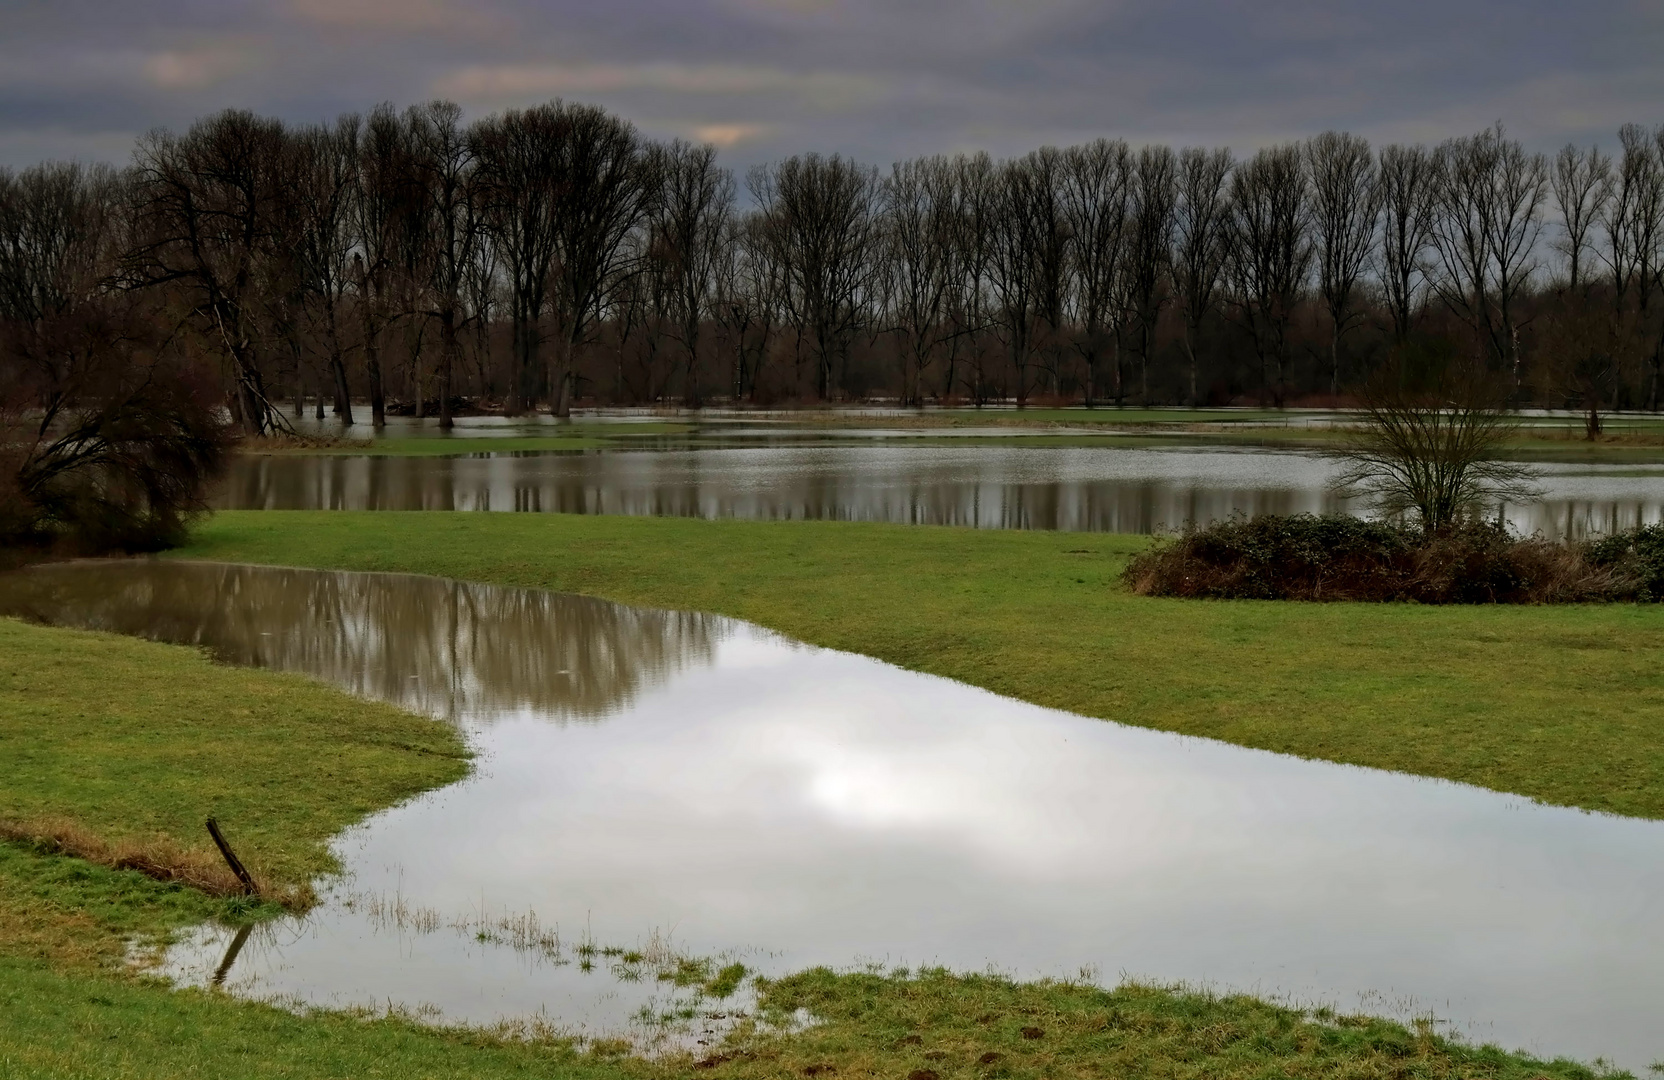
[[648, 776], [1100, 489]]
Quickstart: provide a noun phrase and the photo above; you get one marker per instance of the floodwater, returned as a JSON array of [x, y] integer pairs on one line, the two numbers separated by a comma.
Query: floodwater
[[1098, 489], [647, 777]]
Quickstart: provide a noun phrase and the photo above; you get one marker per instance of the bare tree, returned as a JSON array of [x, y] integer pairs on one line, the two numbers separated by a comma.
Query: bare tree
[[1029, 259], [1409, 198], [691, 228], [1270, 254], [109, 435], [326, 185], [1097, 196], [603, 188], [1150, 250], [820, 218], [1203, 235], [1634, 252], [515, 154], [1345, 210], [1428, 443], [1490, 192], [918, 264], [1580, 183], [443, 161], [208, 208], [385, 208], [976, 202]]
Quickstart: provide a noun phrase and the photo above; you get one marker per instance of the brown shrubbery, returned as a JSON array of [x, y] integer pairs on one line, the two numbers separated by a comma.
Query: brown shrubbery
[[1306, 557]]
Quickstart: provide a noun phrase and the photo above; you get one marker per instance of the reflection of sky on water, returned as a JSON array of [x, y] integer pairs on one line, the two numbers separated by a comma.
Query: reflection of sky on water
[[793, 806], [1083, 488]]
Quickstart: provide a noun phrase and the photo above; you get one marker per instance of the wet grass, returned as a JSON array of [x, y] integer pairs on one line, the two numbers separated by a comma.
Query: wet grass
[[1564, 704], [938, 1025], [55, 1024]]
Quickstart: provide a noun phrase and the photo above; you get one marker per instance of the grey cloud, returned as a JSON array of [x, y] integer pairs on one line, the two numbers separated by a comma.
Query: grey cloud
[[878, 79]]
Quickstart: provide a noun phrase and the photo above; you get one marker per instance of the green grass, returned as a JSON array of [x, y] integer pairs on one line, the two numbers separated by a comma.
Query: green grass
[[1562, 704], [139, 742]]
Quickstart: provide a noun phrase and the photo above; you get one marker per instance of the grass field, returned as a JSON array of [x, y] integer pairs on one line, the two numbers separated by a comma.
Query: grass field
[[1562, 704]]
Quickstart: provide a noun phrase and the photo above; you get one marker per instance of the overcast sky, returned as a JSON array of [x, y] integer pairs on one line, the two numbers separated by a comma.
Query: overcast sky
[[877, 79]]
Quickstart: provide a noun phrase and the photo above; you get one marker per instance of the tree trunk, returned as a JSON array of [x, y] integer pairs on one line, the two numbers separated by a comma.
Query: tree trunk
[[447, 363]]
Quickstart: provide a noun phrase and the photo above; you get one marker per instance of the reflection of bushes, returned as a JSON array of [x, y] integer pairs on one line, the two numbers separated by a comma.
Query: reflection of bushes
[[1306, 557]]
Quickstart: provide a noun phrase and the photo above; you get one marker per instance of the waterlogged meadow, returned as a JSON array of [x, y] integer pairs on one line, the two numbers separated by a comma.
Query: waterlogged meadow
[[670, 815]]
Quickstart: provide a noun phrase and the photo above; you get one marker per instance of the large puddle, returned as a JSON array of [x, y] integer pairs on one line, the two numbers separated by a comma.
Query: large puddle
[[1099, 489], [649, 778]]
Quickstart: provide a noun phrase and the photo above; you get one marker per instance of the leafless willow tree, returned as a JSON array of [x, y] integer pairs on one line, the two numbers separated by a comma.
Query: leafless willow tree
[[1346, 205], [1203, 223], [109, 433]]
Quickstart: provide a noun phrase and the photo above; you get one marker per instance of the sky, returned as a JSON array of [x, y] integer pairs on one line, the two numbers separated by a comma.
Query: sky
[[879, 80]]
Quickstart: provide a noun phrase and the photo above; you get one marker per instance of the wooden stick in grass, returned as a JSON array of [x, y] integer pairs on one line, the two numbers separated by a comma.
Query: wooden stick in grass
[[231, 859]]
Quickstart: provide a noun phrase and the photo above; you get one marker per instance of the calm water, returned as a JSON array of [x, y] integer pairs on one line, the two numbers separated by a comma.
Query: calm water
[[1101, 489], [646, 776]]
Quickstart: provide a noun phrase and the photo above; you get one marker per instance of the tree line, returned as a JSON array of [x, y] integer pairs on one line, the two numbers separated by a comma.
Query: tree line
[[540, 257]]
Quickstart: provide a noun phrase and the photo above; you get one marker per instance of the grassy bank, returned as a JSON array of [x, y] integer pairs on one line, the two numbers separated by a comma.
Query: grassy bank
[[124, 747], [1563, 704]]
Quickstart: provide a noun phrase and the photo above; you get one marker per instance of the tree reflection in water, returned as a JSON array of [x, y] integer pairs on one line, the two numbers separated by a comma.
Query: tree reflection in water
[[449, 649]]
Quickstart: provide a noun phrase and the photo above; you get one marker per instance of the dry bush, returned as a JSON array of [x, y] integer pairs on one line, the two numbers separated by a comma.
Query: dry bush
[[1306, 557]]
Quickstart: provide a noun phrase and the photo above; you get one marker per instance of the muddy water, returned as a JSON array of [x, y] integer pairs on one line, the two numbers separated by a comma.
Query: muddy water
[[1100, 489], [646, 777]]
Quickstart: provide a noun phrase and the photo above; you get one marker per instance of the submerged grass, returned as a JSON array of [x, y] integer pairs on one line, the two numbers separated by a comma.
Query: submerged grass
[[1563, 704]]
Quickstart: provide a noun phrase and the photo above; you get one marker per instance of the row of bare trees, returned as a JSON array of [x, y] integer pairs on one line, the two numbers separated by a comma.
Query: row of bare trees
[[551, 254]]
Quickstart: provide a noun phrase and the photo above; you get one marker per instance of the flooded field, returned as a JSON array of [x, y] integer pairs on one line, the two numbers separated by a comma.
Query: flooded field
[[1100, 489], [658, 785]]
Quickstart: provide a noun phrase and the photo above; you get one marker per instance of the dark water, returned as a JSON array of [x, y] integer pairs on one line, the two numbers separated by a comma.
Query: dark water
[[1101, 489], [685, 785]]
